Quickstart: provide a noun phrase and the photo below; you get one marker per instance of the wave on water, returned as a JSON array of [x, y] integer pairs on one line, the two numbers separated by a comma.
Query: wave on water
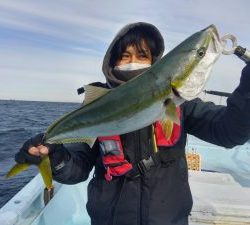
[[4, 131]]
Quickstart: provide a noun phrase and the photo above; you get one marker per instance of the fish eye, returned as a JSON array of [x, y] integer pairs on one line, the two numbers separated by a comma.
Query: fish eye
[[201, 52]]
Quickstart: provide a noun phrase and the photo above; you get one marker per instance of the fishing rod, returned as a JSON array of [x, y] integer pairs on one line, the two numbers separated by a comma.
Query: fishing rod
[[218, 93], [236, 49]]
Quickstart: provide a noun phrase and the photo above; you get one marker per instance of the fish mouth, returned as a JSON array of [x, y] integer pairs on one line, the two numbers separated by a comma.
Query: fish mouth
[[212, 28], [218, 47]]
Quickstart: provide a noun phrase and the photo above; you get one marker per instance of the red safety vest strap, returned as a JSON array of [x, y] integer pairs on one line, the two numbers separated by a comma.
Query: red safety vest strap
[[113, 157]]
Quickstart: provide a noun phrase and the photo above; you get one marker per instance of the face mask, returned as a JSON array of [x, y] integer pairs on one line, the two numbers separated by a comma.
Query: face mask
[[131, 66], [125, 75]]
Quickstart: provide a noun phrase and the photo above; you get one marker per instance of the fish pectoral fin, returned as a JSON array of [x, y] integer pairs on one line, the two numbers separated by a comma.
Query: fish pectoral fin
[[171, 117], [16, 169], [171, 112], [167, 127], [46, 173], [92, 93]]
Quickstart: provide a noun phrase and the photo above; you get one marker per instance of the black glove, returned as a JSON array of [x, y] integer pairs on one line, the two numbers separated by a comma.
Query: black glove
[[23, 156], [58, 156], [244, 86]]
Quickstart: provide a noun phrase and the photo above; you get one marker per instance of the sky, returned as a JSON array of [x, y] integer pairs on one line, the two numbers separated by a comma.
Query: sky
[[50, 48]]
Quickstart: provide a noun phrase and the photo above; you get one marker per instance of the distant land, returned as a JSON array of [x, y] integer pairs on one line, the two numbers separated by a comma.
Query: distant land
[[12, 100]]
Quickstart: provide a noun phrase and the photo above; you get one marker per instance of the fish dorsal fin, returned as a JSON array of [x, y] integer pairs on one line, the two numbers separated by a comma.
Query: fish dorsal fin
[[167, 127], [171, 112], [92, 93]]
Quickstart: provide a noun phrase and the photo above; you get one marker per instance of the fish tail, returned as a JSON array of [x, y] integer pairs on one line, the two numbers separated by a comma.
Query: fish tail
[[16, 169], [44, 168]]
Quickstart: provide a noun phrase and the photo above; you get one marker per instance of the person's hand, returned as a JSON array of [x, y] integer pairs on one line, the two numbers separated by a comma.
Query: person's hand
[[33, 150], [244, 86]]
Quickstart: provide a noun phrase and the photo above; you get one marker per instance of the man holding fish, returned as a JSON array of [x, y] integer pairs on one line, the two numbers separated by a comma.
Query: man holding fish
[[133, 128]]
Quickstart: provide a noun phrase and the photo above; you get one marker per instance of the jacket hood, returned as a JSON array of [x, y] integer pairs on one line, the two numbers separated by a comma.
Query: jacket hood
[[147, 28]]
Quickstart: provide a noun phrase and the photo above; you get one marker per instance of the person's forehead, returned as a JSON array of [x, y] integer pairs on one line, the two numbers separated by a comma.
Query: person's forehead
[[143, 45]]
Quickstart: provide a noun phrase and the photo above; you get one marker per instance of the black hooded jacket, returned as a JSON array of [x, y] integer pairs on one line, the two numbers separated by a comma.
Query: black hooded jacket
[[162, 195]]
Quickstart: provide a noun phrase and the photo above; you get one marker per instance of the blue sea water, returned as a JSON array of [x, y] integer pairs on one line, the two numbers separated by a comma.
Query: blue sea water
[[21, 120]]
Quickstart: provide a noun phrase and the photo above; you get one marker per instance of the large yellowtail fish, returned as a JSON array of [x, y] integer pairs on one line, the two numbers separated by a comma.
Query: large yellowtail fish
[[153, 96]]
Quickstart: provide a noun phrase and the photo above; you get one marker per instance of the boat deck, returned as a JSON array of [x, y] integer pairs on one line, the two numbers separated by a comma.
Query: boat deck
[[218, 199]]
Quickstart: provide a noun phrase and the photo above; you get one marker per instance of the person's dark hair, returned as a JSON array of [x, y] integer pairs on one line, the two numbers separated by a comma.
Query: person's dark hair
[[133, 37]]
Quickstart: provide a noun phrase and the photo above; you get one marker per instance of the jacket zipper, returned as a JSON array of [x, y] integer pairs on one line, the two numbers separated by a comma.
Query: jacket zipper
[[137, 159]]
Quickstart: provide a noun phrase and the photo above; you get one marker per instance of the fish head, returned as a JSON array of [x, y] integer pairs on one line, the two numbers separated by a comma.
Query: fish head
[[196, 57]]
